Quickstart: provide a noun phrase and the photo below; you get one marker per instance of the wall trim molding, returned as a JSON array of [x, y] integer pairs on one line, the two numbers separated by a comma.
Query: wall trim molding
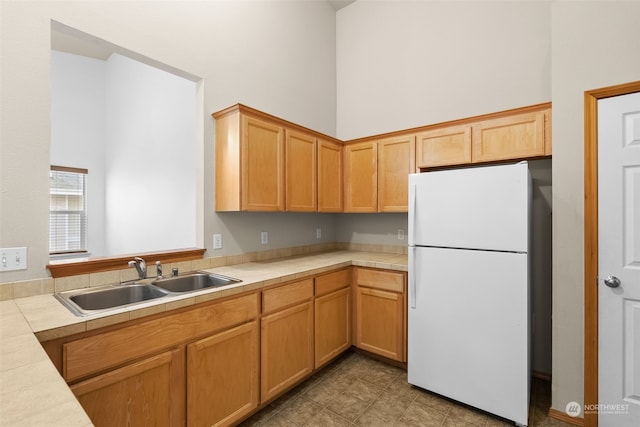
[[562, 416]]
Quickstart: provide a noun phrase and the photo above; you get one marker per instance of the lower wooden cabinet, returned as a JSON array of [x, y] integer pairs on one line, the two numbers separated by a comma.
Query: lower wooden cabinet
[[196, 367], [333, 325], [332, 315], [380, 322], [222, 377], [217, 362], [286, 337], [140, 394]]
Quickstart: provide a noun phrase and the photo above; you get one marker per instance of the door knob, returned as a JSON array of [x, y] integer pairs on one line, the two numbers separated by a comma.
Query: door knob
[[612, 281]]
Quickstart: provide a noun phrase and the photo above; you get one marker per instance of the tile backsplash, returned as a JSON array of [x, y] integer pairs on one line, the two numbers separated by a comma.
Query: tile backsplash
[[48, 285]]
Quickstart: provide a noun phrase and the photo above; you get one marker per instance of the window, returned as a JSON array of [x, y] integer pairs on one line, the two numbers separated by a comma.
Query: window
[[68, 210]]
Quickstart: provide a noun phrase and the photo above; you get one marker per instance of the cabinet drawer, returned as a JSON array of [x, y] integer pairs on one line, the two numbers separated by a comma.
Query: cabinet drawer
[[333, 281], [283, 296], [385, 280], [93, 354]]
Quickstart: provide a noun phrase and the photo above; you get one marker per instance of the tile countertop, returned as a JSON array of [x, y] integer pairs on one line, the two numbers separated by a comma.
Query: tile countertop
[[32, 392]]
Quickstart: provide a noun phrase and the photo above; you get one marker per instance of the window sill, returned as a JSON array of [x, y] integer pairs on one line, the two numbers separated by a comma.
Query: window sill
[[74, 267]]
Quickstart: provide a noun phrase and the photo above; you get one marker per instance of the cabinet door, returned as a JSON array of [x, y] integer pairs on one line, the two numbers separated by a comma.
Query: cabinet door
[[513, 137], [330, 177], [380, 322], [301, 174], [396, 160], [361, 177], [443, 147], [262, 159], [333, 325], [287, 348], [142, 393], [222, 376]]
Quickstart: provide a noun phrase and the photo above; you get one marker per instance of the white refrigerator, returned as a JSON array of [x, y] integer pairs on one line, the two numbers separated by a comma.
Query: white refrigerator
[[468, 320]]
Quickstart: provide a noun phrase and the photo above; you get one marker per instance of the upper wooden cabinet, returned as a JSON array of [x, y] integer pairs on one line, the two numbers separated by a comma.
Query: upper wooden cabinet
[[444, 147], [361, 177], [330, 181], [301, 175], [396, 160], [249, 164], [510, 135], [376, 174], [264, 163]]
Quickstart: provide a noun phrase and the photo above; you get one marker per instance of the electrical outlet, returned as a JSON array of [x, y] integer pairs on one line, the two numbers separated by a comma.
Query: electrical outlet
[[13, 259], [318, 233], [400, 234], [264, 237], [217, 241]]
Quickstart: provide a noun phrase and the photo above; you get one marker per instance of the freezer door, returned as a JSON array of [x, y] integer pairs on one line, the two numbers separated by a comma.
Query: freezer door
[[468, 329], [478, 208]]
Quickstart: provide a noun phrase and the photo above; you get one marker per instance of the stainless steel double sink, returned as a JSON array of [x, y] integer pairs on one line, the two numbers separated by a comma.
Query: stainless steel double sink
[[88, 301]]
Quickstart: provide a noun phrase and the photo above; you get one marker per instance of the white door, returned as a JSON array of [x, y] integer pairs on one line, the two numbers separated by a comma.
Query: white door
[[619, 261]]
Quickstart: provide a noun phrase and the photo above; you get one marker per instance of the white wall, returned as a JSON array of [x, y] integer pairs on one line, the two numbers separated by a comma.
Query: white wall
[[277, 56], [150, 162], [78, 130], [595, 44], [403, 64]]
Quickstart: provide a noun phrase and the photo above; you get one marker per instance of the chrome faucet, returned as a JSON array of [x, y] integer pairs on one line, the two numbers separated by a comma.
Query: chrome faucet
[[158, 269], [140, 266]]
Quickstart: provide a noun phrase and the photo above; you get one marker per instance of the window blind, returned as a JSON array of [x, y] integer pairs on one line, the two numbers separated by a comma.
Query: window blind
[[68, 210]]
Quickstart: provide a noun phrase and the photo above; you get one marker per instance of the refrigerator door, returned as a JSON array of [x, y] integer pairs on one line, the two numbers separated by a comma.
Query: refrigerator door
[[475, 208], [468, 328]]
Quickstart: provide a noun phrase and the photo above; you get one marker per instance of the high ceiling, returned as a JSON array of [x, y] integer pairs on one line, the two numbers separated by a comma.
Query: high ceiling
[[66, 40]]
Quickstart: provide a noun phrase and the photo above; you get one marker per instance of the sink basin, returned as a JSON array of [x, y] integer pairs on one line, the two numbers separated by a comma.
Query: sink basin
[[90, 301], [84, 302], [194, 282]]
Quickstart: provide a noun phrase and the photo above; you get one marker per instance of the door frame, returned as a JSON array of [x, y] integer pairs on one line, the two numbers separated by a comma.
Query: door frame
[[591, 98]]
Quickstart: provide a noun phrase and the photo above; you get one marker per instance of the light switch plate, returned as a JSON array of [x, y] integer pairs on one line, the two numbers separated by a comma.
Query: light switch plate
[[264, 237], [12, 259]]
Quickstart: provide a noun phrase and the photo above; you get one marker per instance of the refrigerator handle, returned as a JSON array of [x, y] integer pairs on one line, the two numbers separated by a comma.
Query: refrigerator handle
[[412, 213], [412, 276]]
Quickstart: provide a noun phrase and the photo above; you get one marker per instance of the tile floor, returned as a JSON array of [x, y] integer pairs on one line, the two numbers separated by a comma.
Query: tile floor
[[356, 390]]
